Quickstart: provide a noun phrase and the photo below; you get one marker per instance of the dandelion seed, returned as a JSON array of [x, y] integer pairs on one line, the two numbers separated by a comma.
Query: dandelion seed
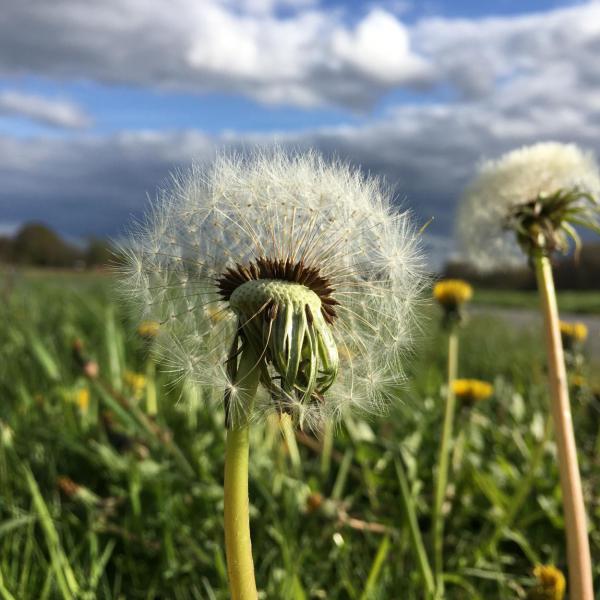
[[74, 491], [67, 486]]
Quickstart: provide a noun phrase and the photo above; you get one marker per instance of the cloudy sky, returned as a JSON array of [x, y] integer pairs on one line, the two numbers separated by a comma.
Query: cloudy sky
[[100, 100]]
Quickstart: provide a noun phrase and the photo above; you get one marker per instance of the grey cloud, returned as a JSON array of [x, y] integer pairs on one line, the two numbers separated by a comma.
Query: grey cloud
[[93, 185], [478, 56], [309, 57]]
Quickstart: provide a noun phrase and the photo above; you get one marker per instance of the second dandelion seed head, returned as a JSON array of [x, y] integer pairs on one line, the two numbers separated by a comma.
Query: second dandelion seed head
[[537, 193]]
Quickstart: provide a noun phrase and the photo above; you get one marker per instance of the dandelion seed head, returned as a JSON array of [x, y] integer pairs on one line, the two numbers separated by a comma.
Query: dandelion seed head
[[523, 175], [303, 258]]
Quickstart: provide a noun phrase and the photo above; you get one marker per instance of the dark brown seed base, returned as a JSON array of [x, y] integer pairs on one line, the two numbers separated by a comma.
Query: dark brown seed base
[[283, 270]]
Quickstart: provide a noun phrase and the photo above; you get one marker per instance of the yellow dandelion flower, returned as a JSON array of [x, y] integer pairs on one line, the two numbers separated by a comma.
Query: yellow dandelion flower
[[82, 398], [135, 381], [578, 381], [575, 332], [451, 294], [472, 390], [550, 584], [148, 329]]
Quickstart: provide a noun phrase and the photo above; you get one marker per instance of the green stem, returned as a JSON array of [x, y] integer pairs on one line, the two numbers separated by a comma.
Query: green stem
[[4, 593], [327, 450], [443, 462], [578, 549], [238, 545], [374, 573], [413, 527], [287, 428], [151, 400]]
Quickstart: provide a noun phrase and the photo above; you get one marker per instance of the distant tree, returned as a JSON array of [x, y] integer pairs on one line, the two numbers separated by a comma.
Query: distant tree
[[99, 253], [580, 272], [36, 244], [512, 279], [5, 249], [572, 273]]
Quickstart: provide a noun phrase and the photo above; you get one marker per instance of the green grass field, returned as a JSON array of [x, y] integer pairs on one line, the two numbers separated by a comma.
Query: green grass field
[[100, 500], [584, 302]]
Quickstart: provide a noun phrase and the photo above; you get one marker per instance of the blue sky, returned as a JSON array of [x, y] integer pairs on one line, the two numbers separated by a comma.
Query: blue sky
[[99, 102]]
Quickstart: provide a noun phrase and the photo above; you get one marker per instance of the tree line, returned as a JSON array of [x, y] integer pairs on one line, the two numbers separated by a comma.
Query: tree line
[[573, 272], [35, 244]]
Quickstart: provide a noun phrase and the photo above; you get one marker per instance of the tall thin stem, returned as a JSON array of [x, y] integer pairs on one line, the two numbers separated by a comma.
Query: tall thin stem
[[578, 549], [327, 450], [287, 429], [238, 545], [151, 400], [414, 531], [443, 462]]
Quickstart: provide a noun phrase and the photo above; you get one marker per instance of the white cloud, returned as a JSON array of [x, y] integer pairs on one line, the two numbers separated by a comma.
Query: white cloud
[[292, 51], [58, 113], [379, 48], [427, 152], [304, 56], [482, 56]]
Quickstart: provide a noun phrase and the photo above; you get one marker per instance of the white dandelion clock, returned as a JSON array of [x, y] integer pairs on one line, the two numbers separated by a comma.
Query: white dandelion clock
[[528, 203], [303, 264], [289, 284], [537, 192]]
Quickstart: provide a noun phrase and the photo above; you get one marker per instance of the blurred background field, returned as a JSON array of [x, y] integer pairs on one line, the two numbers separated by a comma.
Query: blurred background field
[[102, 500], [580, 302]]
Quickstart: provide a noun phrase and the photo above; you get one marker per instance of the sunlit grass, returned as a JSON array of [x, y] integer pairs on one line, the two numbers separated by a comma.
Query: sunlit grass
[[152, 526]]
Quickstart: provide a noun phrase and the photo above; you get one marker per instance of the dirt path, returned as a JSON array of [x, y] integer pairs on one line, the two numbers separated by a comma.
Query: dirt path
[[522, 317]]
